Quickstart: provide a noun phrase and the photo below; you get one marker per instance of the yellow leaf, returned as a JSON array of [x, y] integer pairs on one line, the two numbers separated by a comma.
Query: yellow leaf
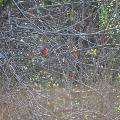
[[49, 103], [118, 75], [85, 117], [92, 51]]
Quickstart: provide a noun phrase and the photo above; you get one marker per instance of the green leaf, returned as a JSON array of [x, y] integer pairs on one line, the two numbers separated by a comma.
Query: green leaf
[[78, 67], [1, 3], [117, 107]]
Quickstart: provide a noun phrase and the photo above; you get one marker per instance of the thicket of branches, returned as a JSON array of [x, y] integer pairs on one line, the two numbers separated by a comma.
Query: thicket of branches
[[53, 50]]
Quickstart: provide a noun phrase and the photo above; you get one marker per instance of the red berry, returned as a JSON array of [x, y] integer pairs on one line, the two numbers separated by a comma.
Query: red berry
[[72, 74], [45, 52]]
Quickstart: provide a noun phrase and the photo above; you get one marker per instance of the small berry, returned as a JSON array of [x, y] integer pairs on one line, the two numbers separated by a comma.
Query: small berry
[[45, 52], [72, 74]]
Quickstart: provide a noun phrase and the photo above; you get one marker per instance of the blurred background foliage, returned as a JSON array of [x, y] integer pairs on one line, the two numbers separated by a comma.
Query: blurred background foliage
[[1, 2]]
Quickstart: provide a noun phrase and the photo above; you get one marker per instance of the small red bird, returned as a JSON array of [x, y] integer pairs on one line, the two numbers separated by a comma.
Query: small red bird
[[45, 52]]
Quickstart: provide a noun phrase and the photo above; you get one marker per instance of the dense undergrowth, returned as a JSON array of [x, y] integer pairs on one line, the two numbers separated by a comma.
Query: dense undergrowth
[[59, 60]]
